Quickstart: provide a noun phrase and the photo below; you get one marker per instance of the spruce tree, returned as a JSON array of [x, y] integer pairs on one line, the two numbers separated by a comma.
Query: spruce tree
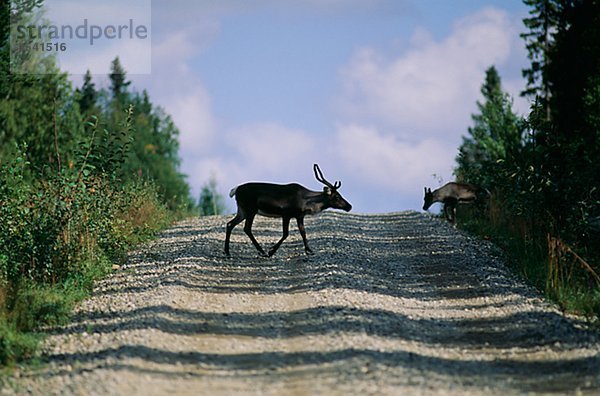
[[87, 94], [542, 24], [496, 134], [118, 81], [210, 202], [573, 149]]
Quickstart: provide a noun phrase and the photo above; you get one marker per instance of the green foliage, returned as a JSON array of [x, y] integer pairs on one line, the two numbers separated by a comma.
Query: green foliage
[[118, 82], [153, 137], [31, 101], [573, 142], [545, 209], [87, 96], [60, 233], [105, 153], [84, 176], [155, 153], [15, 345], [75, 192], [542, 23], [496, 136], [210, 202]]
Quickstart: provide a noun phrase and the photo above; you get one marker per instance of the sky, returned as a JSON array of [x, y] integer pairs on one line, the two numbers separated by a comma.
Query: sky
[[378, 92]]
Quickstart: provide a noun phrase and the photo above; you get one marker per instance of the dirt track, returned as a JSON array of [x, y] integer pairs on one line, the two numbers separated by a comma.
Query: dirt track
[[389, 304]]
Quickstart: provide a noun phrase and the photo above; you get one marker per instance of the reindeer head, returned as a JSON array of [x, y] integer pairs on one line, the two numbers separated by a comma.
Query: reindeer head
[[334, 198], [428, 198]]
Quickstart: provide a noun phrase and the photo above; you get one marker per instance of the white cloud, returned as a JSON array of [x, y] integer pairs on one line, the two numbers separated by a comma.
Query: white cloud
[[389, 163], [272, 150], [177, 87], [134, 55], [193, 116], [112, 25], [228, 7], [201, 169], [259, 152], [401, 115], [432, 87]]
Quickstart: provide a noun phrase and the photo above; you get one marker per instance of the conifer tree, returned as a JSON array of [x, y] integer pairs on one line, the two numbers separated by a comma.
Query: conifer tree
[[87, 94], [210, 202], [573, 149], [496, 134], [542, 24], [37, 106], [118, 81]]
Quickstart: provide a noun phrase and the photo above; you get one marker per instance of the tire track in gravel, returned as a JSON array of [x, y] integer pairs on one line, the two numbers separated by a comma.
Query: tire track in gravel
[[390, 304]]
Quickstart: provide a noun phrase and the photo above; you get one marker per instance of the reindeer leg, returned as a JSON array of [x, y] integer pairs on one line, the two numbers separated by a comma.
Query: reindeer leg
[[239, 217], [248, 231], [446, 215], [286, 228], [451, 214], [454, 215], [300, 221], [450, 210]]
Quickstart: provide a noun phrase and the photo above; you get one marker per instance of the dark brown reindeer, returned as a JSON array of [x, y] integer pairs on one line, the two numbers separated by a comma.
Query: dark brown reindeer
[[451, 194], [282, 200]]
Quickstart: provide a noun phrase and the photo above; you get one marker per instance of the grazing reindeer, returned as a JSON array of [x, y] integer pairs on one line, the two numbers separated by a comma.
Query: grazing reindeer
[[451, 194], [285, 201]]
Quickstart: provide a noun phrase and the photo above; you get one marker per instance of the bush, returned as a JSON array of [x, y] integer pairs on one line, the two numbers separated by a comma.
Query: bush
[[546, 261], [15, 345], [60, 232]]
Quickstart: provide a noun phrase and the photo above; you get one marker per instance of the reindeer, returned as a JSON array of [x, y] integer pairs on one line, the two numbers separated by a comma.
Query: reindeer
[[451, 194], [282, 200]]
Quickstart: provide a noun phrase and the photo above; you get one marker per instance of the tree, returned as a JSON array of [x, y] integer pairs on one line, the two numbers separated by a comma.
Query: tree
[[118, 82], [37, 105], [542, 24], [41, 109], [153, 137], [573, 77], [87, 95], [495, 136], [210, 202]]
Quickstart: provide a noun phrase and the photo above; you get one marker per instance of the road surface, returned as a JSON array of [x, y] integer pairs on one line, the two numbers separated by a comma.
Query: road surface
[[389, 304]]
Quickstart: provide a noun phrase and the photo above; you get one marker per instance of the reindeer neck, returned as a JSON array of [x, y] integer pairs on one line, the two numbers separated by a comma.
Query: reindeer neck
[[438, 196], [316, 201]]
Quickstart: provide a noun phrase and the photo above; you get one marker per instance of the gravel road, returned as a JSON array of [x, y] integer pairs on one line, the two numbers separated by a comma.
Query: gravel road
[[389, 304]]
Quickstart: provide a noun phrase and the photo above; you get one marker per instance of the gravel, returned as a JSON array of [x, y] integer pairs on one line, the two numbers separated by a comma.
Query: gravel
[[397, 303]]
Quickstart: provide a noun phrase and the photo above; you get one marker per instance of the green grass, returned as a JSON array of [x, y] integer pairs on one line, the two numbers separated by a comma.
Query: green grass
[[558, 277], [42, 289]]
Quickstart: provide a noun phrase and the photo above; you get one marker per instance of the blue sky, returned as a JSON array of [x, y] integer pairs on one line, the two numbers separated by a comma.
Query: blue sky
[[378, 92]]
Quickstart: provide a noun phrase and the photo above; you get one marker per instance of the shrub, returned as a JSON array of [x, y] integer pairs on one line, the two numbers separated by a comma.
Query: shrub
[[62, 230]]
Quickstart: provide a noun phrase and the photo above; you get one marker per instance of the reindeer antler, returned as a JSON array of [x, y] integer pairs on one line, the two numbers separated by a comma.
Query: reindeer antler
[[320, 178]]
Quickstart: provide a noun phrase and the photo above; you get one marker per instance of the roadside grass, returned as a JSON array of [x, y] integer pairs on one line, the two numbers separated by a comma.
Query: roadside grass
[[57, 237], [544, 261], [28, 306]]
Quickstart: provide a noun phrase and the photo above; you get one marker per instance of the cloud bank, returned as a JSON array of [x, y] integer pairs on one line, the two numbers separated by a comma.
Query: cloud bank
[[395, 120], [431, 87]]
